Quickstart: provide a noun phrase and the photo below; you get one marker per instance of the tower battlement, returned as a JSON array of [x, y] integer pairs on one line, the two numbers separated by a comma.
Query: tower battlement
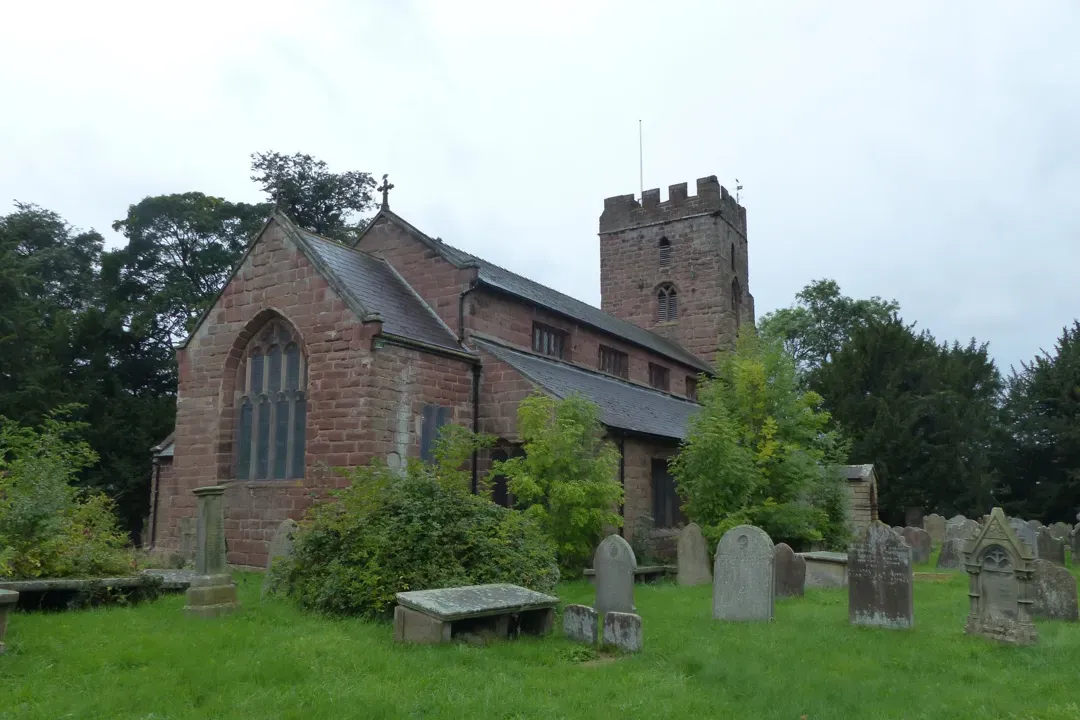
[[623, 212]]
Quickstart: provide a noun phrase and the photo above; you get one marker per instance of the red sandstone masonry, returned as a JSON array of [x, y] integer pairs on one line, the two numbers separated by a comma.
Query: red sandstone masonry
[[352, 393]]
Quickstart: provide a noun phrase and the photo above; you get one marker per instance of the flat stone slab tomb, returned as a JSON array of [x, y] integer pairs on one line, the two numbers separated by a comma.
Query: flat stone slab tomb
[[643, 574], [473, 613], [825, 569], [61, 593]]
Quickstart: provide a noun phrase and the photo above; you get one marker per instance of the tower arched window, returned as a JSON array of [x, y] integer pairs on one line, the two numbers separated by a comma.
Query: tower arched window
[[271, 403], [664, 247], [736, 301], [667, 303]]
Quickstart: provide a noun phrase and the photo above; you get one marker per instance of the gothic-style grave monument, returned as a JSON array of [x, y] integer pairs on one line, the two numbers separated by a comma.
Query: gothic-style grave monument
[[880, 579], [211, 592], [790, 571], [920, 543], [1055, 592], [623, 630], [935, 525], [693, 557], [1026, 534], [743, 575], [280, 546], [1000, 572], [473, 613], [579, 623], [8, 598], [614, 563], [1049, 547]]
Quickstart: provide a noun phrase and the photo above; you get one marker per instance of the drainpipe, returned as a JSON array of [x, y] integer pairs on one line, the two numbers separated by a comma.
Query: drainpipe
[[475, 425], [154, 492], [622, 481]]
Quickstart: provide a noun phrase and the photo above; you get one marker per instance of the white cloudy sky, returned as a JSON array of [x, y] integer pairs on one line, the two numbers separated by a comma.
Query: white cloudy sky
[[920, 150]]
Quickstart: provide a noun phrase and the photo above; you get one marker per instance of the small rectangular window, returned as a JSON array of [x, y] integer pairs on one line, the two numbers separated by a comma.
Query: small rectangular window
[[614, 362], [667, 506], [659, 376], [691, 388], [547, 340], [433, 418]]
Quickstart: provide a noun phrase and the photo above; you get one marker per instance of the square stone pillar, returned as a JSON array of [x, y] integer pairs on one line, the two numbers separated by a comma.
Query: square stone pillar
[[212, 592], [8, 598]]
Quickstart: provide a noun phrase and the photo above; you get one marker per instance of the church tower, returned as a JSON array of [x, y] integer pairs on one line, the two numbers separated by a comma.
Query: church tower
[[678, 267]]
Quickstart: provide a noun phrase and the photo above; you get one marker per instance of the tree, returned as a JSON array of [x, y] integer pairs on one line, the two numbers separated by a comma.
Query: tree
[[181, 249], [313, 197], [1041, 458], [926, 415], [820, 321], [567, 480], [760, 451]]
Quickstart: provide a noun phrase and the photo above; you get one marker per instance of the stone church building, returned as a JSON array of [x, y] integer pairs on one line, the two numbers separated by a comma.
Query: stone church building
[[317, 355]]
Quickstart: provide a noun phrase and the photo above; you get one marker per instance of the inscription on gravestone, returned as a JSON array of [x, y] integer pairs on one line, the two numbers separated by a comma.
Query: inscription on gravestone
[[1000, 574], [743, 575], [1054, 592], [211, 592], [880, 580]]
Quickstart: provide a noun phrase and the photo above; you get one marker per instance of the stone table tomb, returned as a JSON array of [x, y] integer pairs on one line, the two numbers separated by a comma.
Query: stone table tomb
[[473, 613], [8, 599], [825, 569]]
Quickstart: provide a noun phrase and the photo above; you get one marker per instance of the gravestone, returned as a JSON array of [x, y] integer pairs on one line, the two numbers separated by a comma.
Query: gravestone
[[898, 530], [1026, 534], [1034, 524], [1076, 546], [8, 598], [212, 592], [1055, 592], [951, 556], [1049, 547], [880, 579], [623, 630], [913, 517], [693, 557], [957, 519], [743, 575], [919, 542], [935, 525], [280, 546], [579, 623], [1061, 531], [962, 531], [1000, 575], [614, 563], [790, 571]]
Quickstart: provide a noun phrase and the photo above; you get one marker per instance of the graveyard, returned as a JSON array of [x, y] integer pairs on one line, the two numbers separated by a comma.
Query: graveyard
[[271, 660]]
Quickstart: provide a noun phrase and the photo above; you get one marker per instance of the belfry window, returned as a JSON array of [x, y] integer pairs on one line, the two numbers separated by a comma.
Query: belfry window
[[667, 303], [665, 252]]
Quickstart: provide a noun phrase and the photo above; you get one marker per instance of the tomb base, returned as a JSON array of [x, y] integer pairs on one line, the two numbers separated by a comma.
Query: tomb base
[[1003, 630], [211, 596]]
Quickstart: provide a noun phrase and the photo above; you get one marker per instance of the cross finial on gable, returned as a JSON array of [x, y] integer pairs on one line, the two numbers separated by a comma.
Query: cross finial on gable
[[385, 188]]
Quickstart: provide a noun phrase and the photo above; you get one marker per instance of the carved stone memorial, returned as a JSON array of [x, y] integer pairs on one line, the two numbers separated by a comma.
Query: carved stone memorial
[[1026, 535], [1000, 573], [1049, 547], [880, 579], [693, 557], [919, 542], [790, 571], [212, 592], [1055, 592], [743, 575], [623, 630], [579, 623], [614, 563], [935, 525]]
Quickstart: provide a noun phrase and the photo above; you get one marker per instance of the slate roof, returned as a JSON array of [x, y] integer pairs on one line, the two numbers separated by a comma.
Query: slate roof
[[509, 282], [858, 472], [622, 404], [370, 285]]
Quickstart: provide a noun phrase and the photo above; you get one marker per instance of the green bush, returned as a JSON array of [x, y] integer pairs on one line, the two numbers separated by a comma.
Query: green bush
[[48, 527], [568, 478], [390, 531]]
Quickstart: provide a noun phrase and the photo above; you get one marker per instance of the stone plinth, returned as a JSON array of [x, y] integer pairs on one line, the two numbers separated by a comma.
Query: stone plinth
[[579, 623], [623, 631], [8, 598], [211, 592]]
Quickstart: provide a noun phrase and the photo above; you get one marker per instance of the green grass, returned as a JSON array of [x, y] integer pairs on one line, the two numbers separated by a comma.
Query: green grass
[[272, 661]]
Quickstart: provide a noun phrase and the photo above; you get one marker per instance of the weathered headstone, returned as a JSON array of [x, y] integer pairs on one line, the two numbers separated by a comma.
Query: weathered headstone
[[1034, 524], [1049, 547], [790, 571], [964, 530], [880, 579], [623, 630], [913, 517], [1061, 531], [693, 557], [1055, 592], [919, 542], [579, 623], [1075, 538], [743, 575], [1000, 574], [957, 519], [1026, 535], [8, 598], [935, 525], [614, 563], [280, 546], [951, 556], [212, 592]]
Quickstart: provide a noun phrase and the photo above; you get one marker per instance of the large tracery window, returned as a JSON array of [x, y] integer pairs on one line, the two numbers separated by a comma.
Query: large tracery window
[[272, 406]]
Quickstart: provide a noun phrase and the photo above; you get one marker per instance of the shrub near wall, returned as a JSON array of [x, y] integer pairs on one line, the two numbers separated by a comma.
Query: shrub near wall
[[389, 532]]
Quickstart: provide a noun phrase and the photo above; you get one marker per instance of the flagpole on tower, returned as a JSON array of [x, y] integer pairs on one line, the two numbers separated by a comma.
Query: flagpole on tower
[[641, 160]]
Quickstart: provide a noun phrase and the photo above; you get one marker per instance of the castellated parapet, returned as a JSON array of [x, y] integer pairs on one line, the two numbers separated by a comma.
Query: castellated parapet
[[625, 211]]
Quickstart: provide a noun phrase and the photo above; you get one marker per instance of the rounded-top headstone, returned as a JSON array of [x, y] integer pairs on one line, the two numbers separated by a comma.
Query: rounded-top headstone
[[614, 563], [880, 588], [1049, 547], [1054, 592], [744, 575], [693, 557], [935, 525], [920, 543], [790, 571]]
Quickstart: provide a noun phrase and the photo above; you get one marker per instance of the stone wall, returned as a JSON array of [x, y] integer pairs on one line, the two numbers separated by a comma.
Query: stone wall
[[707, 236], [638, 454]]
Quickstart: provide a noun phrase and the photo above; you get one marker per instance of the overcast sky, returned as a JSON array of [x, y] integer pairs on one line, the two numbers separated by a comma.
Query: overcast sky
[[925, 151]]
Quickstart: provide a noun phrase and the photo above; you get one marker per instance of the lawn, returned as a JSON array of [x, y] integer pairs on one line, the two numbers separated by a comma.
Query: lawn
[[272, 661]]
